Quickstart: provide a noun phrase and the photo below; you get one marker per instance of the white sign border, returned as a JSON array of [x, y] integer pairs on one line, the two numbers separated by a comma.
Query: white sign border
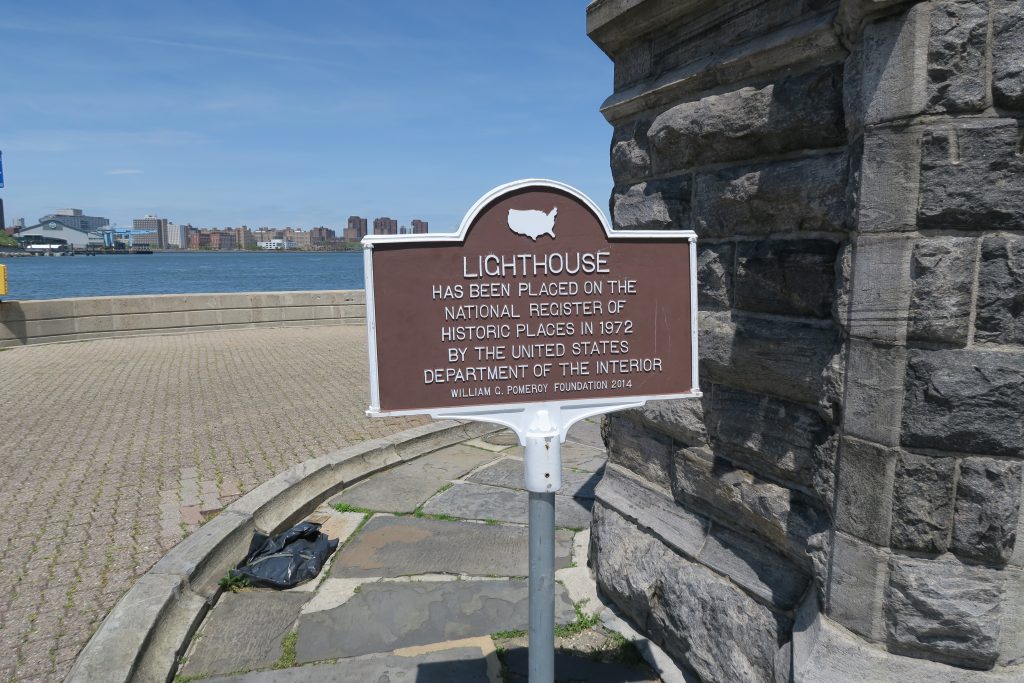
[[515, 415]]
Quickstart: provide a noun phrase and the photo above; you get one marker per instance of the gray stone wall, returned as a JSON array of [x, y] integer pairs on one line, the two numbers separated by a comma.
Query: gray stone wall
[[855, 175]]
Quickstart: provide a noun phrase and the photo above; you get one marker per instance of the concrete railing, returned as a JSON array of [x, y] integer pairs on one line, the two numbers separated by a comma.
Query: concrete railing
[[60, 320]]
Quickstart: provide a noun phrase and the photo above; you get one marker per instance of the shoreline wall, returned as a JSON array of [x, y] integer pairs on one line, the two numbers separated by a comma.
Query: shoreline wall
[[845, 502], [60, 320]]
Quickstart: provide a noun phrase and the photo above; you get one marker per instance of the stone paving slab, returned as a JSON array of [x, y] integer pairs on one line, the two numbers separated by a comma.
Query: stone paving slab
[[508, 473], [487, 445], [506, 437], [388, 616], [587, 432], [574, 668], [577, 578], [331, 593], [582, 457], [479, 501], [244, 631], [460, 662], [340, 525], [405, 488], [403, 546]]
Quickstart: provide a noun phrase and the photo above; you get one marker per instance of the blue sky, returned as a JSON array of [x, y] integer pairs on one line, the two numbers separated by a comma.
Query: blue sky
[[274, 113]]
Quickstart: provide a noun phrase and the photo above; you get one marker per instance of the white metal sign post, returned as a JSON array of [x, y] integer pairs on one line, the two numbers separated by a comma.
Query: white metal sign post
[[533, 315]]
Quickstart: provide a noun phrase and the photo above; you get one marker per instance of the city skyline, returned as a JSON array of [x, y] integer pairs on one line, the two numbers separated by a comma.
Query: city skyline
[[248, 113], [88, 221], [73, 228]]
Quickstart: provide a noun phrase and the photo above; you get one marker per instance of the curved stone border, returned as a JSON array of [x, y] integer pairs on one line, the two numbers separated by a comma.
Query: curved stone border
[[147, 631], [61, 320]]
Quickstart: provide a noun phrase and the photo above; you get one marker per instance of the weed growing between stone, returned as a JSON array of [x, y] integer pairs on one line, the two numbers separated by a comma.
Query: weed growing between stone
[[345, 507], [581, 623], [234, 583], [188, 679], [288, 644], [505, 635], [420, 514]]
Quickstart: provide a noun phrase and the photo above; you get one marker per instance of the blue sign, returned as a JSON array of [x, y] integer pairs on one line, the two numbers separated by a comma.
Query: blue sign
[[1, 169]]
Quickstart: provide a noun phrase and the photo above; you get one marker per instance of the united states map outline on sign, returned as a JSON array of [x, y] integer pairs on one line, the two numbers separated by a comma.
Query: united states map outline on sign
[[532, 223]]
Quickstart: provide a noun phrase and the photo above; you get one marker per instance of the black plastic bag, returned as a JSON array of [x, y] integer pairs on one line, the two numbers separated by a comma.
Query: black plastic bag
[[288, 559]]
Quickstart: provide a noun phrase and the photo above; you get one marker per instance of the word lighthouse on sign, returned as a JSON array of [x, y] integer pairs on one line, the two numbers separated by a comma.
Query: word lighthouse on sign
[[534, 315]]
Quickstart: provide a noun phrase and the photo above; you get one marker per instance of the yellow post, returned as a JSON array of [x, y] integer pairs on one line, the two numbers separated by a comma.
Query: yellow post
[[3, 280]]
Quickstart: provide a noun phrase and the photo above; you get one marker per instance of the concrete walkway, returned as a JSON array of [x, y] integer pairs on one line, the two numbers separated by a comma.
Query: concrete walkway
[[113, 450], [428, 583]]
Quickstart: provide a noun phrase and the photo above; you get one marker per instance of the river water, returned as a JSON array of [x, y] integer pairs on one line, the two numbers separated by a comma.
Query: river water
[[54, 277]]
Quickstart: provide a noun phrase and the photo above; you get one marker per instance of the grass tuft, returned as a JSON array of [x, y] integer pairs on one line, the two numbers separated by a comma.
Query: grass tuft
[[288, 644], [233, 582], [345, 507], [581, 623], [418, 513], [504, 635]]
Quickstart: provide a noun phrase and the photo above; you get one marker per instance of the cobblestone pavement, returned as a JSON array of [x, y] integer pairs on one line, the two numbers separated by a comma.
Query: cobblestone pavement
[[113, 450]]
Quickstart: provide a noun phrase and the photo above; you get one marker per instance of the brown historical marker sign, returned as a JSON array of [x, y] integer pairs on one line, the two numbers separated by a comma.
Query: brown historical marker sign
[[534, 300]]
